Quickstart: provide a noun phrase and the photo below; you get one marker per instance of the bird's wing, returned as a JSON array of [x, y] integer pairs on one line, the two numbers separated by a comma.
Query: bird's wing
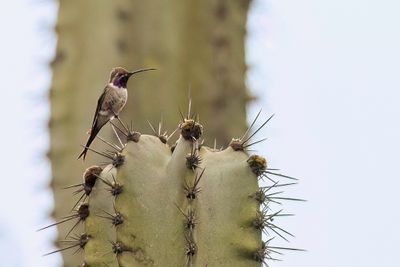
[[99, 104]]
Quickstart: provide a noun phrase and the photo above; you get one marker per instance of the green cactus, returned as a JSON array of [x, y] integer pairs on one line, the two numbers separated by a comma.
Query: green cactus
[[180, 205]]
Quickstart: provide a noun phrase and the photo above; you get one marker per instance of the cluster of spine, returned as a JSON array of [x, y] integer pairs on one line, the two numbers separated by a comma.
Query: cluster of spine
[[191, 132], [179, 205]]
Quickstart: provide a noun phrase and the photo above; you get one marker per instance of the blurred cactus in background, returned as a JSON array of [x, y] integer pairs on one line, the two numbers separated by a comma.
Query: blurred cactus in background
[[193, 44], [196, 44]]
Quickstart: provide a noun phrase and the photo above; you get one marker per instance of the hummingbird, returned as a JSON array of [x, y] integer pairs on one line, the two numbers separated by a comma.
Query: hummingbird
[[111, 102]]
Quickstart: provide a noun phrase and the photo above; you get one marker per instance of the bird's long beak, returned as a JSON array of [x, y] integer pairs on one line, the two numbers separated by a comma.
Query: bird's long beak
[[140, 70]]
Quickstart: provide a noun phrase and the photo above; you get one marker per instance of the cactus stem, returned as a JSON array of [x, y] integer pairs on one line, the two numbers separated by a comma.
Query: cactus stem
[[132, 212], [79, 241], [192, 191]]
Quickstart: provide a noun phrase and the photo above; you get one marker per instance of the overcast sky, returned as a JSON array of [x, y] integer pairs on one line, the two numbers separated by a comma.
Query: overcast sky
[[329, 70]]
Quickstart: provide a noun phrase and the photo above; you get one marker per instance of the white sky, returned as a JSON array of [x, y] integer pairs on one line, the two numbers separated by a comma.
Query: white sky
[[329, 70], [26, 46]]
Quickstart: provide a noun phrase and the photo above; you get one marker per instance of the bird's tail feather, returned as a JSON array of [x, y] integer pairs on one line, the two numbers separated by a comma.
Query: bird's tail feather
[[92, 136], [83, 154]]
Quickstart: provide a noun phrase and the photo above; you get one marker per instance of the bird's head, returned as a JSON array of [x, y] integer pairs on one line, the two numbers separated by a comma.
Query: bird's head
[[120, 76]]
